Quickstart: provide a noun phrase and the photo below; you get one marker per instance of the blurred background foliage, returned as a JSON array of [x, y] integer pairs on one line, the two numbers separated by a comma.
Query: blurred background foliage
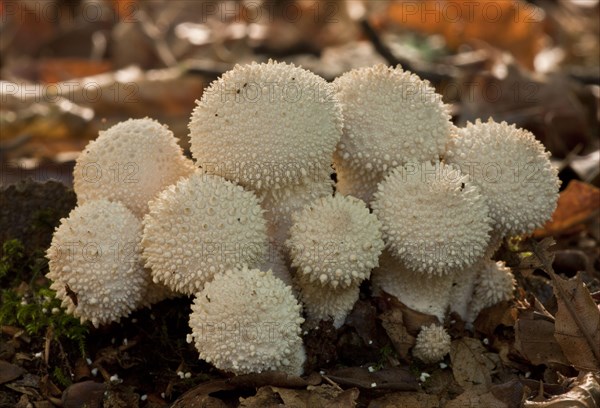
[[69, 68]]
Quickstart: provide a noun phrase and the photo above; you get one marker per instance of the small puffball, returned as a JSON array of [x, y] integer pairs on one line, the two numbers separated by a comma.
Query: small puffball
[[433, 343]]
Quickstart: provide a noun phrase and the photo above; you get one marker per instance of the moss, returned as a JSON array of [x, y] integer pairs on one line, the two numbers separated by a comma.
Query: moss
[[39, 311], [12, 258]]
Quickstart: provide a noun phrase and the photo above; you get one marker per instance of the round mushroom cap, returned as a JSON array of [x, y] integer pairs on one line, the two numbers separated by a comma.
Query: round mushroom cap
[[266, 126], [434, 219], [433, 343], [390, 116], [325, 302], [494, 283], [513, 171], [95, 264], [247, 321], [424, 293], [335, 241], [201, 226], [131, 162]]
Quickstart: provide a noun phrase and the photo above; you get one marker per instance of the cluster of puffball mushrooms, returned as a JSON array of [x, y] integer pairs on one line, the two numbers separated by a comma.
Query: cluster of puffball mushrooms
[[268, 244]]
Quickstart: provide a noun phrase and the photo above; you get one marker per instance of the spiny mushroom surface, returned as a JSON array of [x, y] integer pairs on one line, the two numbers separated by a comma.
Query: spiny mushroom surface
[[281, 203], [325, 302], [201, 226], [335, 241], [434, 219], [494, 284], [424, 293], [433, 343], [131, 162], [390, 116], [95, 253], [248, 321], [266, 126], [513, 171]]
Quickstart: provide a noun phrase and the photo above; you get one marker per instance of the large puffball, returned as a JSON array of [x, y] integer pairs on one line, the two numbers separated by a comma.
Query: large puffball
[[266, 126], [94, 262], [335, 241], [512, 169], [131, 162], [390, 116], [434, 219], [248, 321], [201, 226]]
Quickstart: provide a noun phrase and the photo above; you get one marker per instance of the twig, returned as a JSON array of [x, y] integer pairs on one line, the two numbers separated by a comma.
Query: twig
[[331, 382]]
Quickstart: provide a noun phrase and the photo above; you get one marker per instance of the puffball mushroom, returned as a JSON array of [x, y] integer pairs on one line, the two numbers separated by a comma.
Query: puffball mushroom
[[131, 162], [494, 284], [513, 171], [432, 344], [266, 126], [94, 262], [425, 293], [434, 219], [199, 227], [335, 241], [390, 116], [248, 321], [326, 303]]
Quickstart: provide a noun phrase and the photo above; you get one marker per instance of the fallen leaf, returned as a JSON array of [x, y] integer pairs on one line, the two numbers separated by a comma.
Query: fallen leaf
[[578, 202], [325, 396], [393, 323], [471, 363], [585, 393], [534, 338], [577, 327], [406, 399], [396, 378], [471, 398], [9, 372]]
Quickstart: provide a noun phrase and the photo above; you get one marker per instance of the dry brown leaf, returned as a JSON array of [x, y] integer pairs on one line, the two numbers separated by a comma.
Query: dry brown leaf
[[408, 399], [471, 398], [9, 372], [578, 202], [392, 322], [396, 378], [577, 327], [471, 363], [534, 338], [325, 396], [584, 394]]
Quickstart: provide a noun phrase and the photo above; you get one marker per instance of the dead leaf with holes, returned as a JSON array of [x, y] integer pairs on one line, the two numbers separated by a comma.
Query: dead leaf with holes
[[585, 393]]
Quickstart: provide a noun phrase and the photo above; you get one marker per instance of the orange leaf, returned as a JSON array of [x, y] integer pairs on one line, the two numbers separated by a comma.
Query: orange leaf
[[578, 202]]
